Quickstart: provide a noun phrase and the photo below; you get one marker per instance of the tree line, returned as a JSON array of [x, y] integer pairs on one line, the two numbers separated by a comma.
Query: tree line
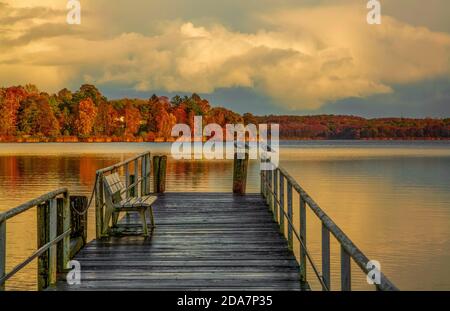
[[27, 114]]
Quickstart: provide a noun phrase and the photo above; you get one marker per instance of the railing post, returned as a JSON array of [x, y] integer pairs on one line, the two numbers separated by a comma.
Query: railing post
[[78, 223], [159, 174], [346, 281], [143, 175], [270, 190], [289, 206], [240, 167], [42, 239], [136, 177], [281, 196], [2, 252], [148, 168], [64, 223], [275, 195], [99, 206], [303, 238], [127, 179], [53, 230], [261, 185], [326, 257], [132, 191]]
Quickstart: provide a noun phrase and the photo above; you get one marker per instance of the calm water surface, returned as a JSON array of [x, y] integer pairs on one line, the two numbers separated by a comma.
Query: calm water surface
[[391, 198]]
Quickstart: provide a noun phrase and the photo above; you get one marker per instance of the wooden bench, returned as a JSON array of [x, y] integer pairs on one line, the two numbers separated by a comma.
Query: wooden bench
[[116, 203]]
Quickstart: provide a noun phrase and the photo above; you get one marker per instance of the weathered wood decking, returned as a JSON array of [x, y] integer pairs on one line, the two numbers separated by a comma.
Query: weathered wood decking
[[202, 241]]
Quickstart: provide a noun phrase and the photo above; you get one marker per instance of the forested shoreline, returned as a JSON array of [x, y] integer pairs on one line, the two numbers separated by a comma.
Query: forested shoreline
[[29, 115]]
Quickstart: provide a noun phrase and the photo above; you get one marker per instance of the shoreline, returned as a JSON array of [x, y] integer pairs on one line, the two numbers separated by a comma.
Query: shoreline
[[76, 140]]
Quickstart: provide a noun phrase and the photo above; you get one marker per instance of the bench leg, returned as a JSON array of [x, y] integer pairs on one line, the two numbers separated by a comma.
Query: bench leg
[[115, 218], [144, 222], [152, 219]]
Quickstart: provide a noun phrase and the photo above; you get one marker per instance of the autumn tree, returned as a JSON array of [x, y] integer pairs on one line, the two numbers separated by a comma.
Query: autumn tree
[[132, 120], [89, 91], [10, 99], [106, 121], [36, 117], [86, 116]]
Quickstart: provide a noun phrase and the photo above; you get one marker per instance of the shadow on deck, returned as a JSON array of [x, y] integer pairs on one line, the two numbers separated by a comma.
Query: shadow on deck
[[202, 241]]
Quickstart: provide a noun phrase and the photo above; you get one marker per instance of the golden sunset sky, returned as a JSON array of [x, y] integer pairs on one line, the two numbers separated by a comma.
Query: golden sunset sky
[[262, 56]]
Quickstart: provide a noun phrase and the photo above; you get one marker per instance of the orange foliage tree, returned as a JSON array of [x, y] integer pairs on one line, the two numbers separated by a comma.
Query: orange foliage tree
[[86, 116]]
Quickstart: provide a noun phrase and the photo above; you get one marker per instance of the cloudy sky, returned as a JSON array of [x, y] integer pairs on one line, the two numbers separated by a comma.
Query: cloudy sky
[[261, 56]]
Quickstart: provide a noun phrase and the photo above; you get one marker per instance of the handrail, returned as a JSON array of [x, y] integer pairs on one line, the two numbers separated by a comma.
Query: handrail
[[355, 253], [35, 254], [30, 204], [123, 163], [48, 221], [313, 265], [347, 246]]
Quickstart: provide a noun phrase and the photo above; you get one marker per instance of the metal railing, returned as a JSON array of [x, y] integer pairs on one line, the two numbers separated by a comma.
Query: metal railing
[[138, 182], [52, 217], [273, 190]]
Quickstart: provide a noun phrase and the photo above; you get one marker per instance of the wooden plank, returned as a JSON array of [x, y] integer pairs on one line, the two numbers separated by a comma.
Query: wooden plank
[[202, 241]]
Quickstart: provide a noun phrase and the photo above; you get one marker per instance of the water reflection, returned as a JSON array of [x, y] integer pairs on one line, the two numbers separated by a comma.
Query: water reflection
[[391, 198]]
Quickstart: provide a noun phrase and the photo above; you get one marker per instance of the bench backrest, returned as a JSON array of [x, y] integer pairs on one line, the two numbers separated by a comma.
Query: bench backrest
[[114, 188]]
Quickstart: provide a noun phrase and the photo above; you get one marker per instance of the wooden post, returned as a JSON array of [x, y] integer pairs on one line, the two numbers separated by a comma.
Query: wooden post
[[240, 167], [64, 223], [53, 222], [2, 252], [42, 239], [132, 192], [281, 195], [99, 207], [303, 239], [275, 196], [127, 179], [346, 280], [270, 190], [289, 206], [79, 224], [147, 173], [326, 257], [159, 174], [261, 185], [136, 177], [143, 175]]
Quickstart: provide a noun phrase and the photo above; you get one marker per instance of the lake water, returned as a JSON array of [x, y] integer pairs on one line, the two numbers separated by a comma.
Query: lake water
[[391, 198]]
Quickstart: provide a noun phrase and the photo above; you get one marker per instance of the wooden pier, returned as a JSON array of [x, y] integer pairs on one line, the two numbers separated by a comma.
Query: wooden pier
[[201, 241]]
